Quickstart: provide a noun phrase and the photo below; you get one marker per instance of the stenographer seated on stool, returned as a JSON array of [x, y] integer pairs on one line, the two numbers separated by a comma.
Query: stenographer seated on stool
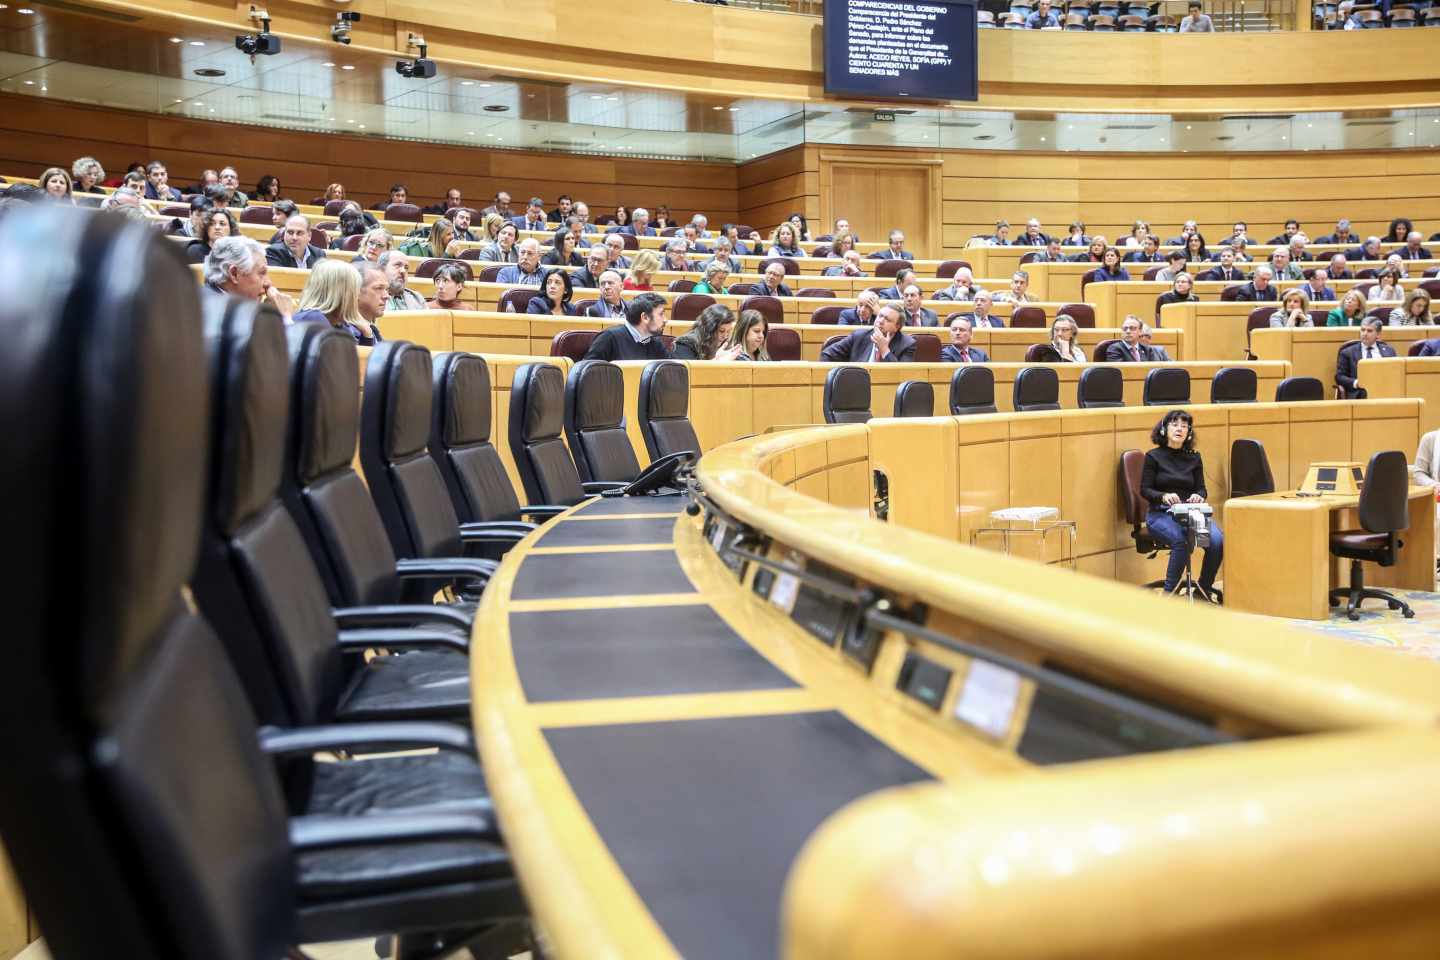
[[1175, 474]]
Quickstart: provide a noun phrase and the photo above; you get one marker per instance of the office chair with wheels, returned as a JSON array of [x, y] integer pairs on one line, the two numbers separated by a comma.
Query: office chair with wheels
[[1249, 469], [1136, 507], [1298, 389], [1037, 388], [1166, 387], [1234, 385], [972, 390], [1101, 387], [1384, 512], [664, 406], [847, 395], [595, 422], [537, 417], [915, 398]]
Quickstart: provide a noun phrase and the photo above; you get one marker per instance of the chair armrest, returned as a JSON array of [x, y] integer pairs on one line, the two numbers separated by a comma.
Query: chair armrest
[[445, 568], [400, 615], [546, 510], [600, 486], [356, 641], [366, 737], [483, 533], [520, 526], [322, 832]]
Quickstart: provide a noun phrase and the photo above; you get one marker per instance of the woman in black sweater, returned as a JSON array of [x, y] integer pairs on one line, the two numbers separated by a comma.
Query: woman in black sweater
[[1174, 473]]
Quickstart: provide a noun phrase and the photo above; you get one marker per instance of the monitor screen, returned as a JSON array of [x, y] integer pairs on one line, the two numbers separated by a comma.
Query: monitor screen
[[901, 49]]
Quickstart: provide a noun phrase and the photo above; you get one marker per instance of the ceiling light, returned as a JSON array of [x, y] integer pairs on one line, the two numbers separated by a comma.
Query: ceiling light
[[612, 98], [25, 12], [212, 109], [179, 100], [29, 83], [734, 109], [45, 89], [499, 139], [348, 66], [199, 104], [467, 83], [483, 85], [717, 108], [362, 126], [177, 40], [469, 133], [1042, 139], [327, 63], [349, 121], [596, 96], [197, 43], [329, 119], [1188, 127]]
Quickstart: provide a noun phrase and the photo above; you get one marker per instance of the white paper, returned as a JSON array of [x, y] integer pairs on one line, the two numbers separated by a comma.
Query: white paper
[[717, 539], [783, 591], [988, 698]]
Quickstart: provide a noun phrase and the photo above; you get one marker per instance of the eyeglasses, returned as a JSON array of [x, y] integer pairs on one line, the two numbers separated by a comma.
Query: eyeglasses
[[377, 243]]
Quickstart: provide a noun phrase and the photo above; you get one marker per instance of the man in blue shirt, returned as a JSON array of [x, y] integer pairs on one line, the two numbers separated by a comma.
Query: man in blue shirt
[[1042, 17], [526, 272]]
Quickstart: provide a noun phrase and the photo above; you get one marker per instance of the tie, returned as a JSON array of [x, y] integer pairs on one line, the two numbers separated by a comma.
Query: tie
[[965, 355], [1369, 353], [1136, 352]]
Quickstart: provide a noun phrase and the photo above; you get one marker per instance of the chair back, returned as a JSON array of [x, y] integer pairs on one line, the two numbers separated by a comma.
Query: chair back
[[1414, 349], [1028, 316], [333, 207], [352, 244], [770, 308], [1167, 386], [927, 348], [406, 212], [595, 422], [517, 299], [822, 250], [681, 285], [664, 406], [1082, 313], [782, 343], [1103, 346], [688, 306], [792, 269], [1132, 466], [1431, 287], [972, 390], [1381, 313], [828, 314], [1042, 353], [491, 273], [915, 398], [947, 268], [572, 343], [888, 268], [1299, 389], [429, 265], [741, 289], [1234, 385], [1101, 387], [1037, 388], [1384, 497], [847, 395], [830, 341], [1231, 293], [537, 417], [1088, 277], [460, 444], [825, 292], [1151, 274], [1249, 469], [257, 214]]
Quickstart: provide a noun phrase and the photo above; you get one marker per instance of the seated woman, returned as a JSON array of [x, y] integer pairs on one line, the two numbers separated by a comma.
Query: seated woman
[[709, 339], [783, 242], [1138, 232], [1174, 473], [842, 243], [217, 224], [749, 336], [1062, 338], [1294, 310], [332, 295], [434, 244], [716, 273], [86, 175], [1351, 312], [1076, 237], [1094, 251], [352, 224], [1414, 312], [56, 184], [662, 219], [375, 245], [556, 290], [1387, 288], [490, 226], [335, 191], [1001, 237], [802, 227], [1195, 249], [1110, 268], [564, 252], [1182, 290], [449, 285], [642, 269], [267, 190], [503, 249]]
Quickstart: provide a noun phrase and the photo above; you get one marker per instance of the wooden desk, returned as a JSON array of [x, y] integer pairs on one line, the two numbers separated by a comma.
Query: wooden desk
[[1313, 352], [1403, 376], [1277, 552]]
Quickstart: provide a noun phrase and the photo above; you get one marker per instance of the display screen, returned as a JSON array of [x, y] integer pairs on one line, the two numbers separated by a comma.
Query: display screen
[[899, 49], [923, 679]]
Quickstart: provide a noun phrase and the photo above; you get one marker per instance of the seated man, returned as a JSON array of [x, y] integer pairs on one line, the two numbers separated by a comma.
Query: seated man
[[850, 267], [500, 206], [1041, 18], [596, 263], [453, 201], [896, 250], [1413, 250], [157, 183], [564, 208], [1130, 349], [615, 250], [638, 338], [1347, 364], [772, 283], [1149, 252], [462, 223], [399, 193], [732, 233], [533, 218], [702, 226], [1189, 227], [526, 270], [581, 212], [1033, 235], [1051, 253], [1260, 288], [236, 267], [863, 313], [1237, 247], [1369, 250], [1197, 21], [1283, 268], [294, 248], [1226, 270], [1341, 235], [1396, 265], [1339, 268], [1317, 287], [959, 350], [1292, 227], [981, 316], [691, 234], [903, 277], [884, 342], [1174, 266], [724, 254], [962, 287], [1019, 285], [610, 306], [230, 180], [912, 314], [396, 267], [1298, 254], [639, 225], [1157, 353]]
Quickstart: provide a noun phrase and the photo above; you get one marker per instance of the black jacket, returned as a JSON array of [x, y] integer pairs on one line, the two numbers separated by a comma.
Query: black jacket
[[1347, 366], [856, 348], [279, 255], [615, 343]]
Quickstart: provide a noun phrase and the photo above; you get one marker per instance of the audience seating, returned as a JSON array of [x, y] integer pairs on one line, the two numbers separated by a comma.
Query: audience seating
[[769, 307], [825, 292], [664, 406], [741, 289], [1384, 512], [595, 422], [1136, 507], [1082, 313], [1102, 347], [1036, 388], [537, 413], [257, 214], [972, 390], [1249, 469], [490, 273], [782, 343], [927, 347], [947, 268], [407, 212], [792, 269], [1414, 349], [1298, 389], [1042, 353], [847, 395], [517, 299], [1166, 386], [827, 314], [688, 306], [429, 265], [1100, 387], [681, 285], [1234, 385], [572, 343], [889, 268], [1027, 317], [915, 398]]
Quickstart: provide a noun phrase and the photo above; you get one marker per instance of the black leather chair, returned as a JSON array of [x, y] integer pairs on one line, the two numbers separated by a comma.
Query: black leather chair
[[1166, 386], [972, 390], [142, 768], [915, 398], [1234, 385], [1249, 469], [256, 581], [665, 410], [537, 415], [595, 422], [1037, 388], [1299, 389], [847, 395], [1384, 512], [1136, 507], [1100, 387]]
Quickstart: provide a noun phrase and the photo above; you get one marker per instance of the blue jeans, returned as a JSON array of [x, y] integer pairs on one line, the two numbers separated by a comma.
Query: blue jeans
[[1168, 531]]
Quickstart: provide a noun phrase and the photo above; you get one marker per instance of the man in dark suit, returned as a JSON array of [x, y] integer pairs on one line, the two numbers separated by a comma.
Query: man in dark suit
[[596, 262], [533, 218], [1130, 349], [885, 342], [1342, 234], [1347, 364], [867, 305], [912, 313], [157, 185], [958, 350], [1412, 249], [771, 284], [1051, 253], [1369, 250], [1292, 227], [1339, 268], [982, 317], [903, 279], [453, 200], [639, 225], [1317, 287], [896, 250], [1033, 235], [294, 248], [732, 232], [638, 338], [1261, 288], [610, 306], [1148, 253]]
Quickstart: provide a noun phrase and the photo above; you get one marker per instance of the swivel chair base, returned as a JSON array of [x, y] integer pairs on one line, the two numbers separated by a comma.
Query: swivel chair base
[[1357, 593]]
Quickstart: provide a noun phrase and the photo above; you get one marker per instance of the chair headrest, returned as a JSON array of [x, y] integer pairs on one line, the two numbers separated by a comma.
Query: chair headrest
[[669, 390], [544, 403], [1037, 384], [325, 397], [401, 370], [972, 385], [849, 388], [462, 398], [250, 364], [915, 398], [598, 391]]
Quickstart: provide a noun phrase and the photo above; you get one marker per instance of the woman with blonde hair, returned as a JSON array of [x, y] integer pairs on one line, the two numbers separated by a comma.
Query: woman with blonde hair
[[86, 175], [336, 191], [490, 227], [749, 336], [436, 244], [645, 264], [1062, 338], [1351, 312], [56, 184], [376, 243], [842, 243], [332, 295], [1294, 310], [783, 242], [1414, 312], [716, 273]]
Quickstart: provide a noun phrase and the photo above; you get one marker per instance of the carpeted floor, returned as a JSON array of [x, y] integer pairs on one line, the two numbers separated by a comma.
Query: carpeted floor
[[1379, 626]]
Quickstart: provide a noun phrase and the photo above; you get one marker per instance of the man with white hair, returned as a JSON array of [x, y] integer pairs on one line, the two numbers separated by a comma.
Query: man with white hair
[[1342, 233], [849, 268], [295, 248], [1033, 236], [867, 305], [896, 249], [610, 306], [122, 197], [615, 250], [639, 225], [526, 271], [236, 267], [702, 226], [962, 287], [1260, 288], [397, 270]]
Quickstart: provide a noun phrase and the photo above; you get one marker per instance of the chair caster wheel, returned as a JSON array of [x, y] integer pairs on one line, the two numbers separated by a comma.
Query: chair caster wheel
[[1334, 602], [1409, 614], [1354, 614]]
